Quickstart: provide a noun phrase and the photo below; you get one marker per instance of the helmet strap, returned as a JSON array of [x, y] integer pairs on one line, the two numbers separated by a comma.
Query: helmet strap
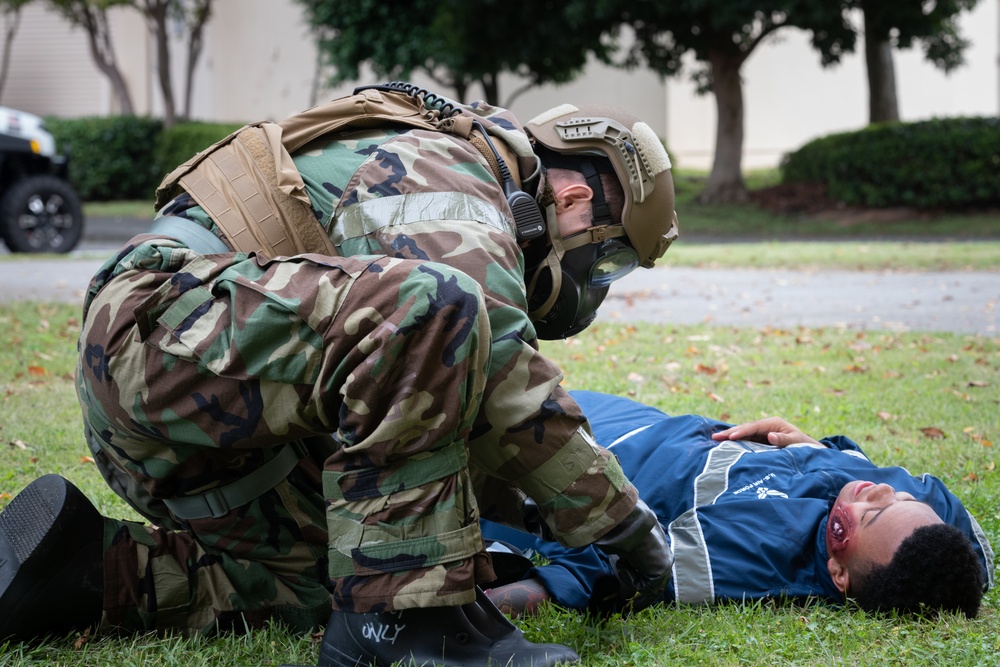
[[551, 264], [601, 209]]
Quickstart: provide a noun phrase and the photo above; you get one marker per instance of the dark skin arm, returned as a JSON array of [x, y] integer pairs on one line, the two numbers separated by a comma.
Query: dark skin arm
[[520, 597], [772, 430]]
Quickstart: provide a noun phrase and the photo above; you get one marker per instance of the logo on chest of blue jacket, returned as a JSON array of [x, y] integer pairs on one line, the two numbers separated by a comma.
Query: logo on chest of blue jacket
[[762, 491]]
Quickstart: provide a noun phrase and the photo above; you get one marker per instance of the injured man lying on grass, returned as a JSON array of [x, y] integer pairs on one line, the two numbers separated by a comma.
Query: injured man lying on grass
[[761, 511]]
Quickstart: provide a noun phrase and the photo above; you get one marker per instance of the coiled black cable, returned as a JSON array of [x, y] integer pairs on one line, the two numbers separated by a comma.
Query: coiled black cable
[[438, 103]]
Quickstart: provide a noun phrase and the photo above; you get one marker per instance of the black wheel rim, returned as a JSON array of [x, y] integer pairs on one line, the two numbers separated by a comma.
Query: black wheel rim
[[45, 220]]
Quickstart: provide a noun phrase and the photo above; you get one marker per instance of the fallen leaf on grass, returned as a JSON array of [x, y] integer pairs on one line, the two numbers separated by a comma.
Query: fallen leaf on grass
[[715, 397], [82, 640], [885, 416], [37, 370], [18, 444], [86, 459], [978, 383], [932, 432]]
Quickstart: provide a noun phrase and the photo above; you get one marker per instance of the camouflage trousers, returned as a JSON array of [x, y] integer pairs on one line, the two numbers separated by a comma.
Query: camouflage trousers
[[194, 370], [266, 562]]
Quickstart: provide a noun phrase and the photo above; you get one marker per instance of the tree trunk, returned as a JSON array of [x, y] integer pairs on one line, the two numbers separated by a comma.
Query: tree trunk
[[882, 102], [12, 20], [318, 78], [95, 22], [725, 182], [201, 12], [491, 88], [156, 14]]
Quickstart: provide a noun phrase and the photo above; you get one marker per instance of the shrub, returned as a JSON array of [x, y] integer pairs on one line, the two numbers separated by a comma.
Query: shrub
[[126, 157], [110, 157], [181, 142], [940, 163]]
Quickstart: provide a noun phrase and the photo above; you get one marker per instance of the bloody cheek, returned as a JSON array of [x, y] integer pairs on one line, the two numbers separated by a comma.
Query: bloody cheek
[[839, 528]]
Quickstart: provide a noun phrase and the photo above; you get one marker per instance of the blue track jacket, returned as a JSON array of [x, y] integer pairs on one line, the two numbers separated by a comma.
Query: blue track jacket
[[745, 520]]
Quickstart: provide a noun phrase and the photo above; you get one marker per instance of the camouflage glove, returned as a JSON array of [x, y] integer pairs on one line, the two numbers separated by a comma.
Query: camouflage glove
[[642, 559]]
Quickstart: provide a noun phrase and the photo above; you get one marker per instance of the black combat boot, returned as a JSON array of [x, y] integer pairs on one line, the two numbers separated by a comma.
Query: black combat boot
[[51, 561], [472, 635]]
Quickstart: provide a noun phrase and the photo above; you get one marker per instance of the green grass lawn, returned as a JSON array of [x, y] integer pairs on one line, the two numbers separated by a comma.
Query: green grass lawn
[[927, 401]]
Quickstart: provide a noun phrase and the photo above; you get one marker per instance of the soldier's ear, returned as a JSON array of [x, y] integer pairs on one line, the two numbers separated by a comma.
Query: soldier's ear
[[571, 195], [840, 575]]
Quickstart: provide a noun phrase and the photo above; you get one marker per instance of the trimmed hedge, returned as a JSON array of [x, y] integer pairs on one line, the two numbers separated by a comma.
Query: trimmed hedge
[[941, 163], [109, 157], [126, 157], [180, 143]]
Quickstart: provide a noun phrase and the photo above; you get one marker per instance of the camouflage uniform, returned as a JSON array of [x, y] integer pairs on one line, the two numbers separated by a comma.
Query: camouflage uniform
[[411, 357]]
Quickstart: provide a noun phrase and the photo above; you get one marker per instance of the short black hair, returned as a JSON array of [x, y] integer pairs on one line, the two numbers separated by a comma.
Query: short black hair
[[934, 569]]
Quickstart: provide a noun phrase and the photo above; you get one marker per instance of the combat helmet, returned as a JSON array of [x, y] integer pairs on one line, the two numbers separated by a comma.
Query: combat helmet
[[566, 287], [639, 160]]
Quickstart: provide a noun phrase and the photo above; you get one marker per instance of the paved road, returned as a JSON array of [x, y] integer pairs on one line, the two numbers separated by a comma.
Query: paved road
[[956, 301], [952, 301]]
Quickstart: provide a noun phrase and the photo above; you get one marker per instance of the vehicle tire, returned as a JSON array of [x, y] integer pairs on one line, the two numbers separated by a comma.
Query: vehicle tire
[[41, 214]]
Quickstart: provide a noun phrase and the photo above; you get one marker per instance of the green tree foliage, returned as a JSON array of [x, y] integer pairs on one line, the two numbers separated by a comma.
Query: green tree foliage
[[455, 42], [721, 35]]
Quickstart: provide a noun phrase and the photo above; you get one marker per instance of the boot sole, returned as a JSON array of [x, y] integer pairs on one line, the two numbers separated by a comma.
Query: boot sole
[[29, 541]]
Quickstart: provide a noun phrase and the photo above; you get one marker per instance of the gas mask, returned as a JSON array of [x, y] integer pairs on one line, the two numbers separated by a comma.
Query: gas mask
[[568, 284], [568, 279]]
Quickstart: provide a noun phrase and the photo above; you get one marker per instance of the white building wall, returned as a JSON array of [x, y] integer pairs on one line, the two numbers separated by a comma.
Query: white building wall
[[50, 68], [790, 99], [259, 62]]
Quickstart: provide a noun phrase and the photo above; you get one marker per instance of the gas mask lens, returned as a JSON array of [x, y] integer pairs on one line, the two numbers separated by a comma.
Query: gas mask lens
[[617, 261]]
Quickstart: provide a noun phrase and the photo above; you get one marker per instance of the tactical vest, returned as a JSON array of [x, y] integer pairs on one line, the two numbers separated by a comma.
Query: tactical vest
[[250, 186]]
